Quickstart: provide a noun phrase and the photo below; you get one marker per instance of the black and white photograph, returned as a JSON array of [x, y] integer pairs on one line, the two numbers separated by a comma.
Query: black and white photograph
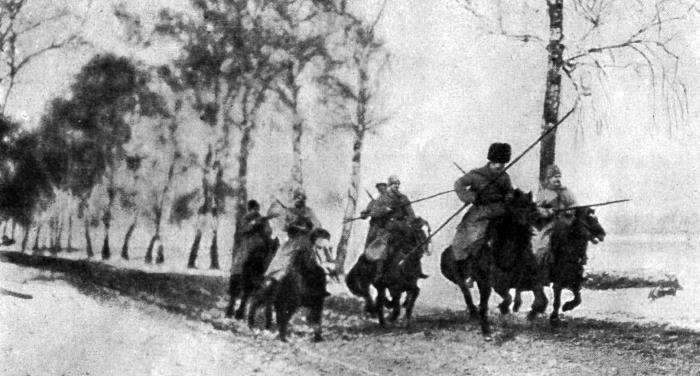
[[349, 187]]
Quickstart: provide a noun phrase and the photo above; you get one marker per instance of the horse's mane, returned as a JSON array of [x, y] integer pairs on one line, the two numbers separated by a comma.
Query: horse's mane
[[510, 234], [572, 240]]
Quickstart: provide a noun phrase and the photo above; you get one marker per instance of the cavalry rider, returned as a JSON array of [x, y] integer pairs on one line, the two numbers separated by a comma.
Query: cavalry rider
[[487, 188], [552, 197], [252, 232], [391, 217], [299, 222], [376, 211], [381, 188]]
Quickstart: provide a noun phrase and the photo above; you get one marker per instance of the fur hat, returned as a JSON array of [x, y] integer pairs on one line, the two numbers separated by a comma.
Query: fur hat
[[394, 179], [380, 184], [299, 194], [551, 170], [499, 153], [252, 204]]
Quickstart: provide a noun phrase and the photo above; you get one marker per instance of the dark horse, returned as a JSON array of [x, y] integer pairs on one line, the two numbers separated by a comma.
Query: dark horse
[[402, 274], [569, 247], [504, 262], [245, 284], [303, 286]]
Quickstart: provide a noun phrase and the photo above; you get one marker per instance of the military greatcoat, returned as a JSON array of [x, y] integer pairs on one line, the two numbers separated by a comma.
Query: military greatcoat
[[487, 197]]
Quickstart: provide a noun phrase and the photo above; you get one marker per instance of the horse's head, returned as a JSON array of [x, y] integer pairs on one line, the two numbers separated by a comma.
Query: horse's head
[[420, 234], [522, 208], [590, 226]]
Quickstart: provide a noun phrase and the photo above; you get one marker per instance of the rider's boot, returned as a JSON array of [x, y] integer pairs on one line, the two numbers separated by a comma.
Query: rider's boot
[[378, 271], [421, 275]]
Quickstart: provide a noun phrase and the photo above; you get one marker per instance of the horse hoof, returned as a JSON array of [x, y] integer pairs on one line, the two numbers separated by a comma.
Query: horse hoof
[[531, 316], [239, 315], [554, 322], [488, 338], [229, 312], [393, 318], [568, 306], [504, 309], [516, 307], [317, 338]]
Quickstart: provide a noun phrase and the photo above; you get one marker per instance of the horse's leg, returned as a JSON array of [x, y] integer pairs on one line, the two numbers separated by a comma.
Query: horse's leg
[[518, 301], [254, 306], [502, 288], [369, 302], [504, 293], [411, 297], [314, 319], [268, 312], [379, 304], [358, 281], [233, 292], [568, 306], [484, 294], [240, 312], [263, 296], [395, 304], [459, 276], [282, 318], [554, 317], [245, 296], [539, 305]]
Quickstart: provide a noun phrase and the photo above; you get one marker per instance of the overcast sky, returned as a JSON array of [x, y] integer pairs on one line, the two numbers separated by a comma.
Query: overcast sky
[[452, 92]]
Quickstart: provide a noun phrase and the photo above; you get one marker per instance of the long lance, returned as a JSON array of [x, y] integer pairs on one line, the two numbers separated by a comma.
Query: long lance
[[281, 203], [369, 194], [544, 134], [460, 168], [592, 205]]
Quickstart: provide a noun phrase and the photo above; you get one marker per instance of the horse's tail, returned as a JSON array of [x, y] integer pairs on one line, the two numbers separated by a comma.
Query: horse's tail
[[354, 278]]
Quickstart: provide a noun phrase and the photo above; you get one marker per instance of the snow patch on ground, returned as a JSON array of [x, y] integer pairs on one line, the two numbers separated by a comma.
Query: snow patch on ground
[[63, 332]]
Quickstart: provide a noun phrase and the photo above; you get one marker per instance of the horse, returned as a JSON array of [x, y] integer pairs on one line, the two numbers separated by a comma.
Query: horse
[[504, 262], [401, 276], [569, 245], [304, 285], [245, 284]]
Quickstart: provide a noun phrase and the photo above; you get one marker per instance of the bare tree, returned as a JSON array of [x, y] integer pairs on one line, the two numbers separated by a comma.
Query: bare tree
[[301, 34], [598, 44], [349, 90], [208, 72], [24, 25]]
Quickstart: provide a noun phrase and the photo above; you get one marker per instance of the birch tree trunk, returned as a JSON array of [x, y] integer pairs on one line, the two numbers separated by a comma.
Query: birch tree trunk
[[59, 235], [214, 248], [36, 238], [127, 237], [351, 207], [552, 95], [297, 174], [192, 261], [88, 241], [69, 246], [25, 239]]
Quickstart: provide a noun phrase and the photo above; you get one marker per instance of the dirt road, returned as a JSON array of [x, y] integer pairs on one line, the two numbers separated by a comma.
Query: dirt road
[[72, 327]]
